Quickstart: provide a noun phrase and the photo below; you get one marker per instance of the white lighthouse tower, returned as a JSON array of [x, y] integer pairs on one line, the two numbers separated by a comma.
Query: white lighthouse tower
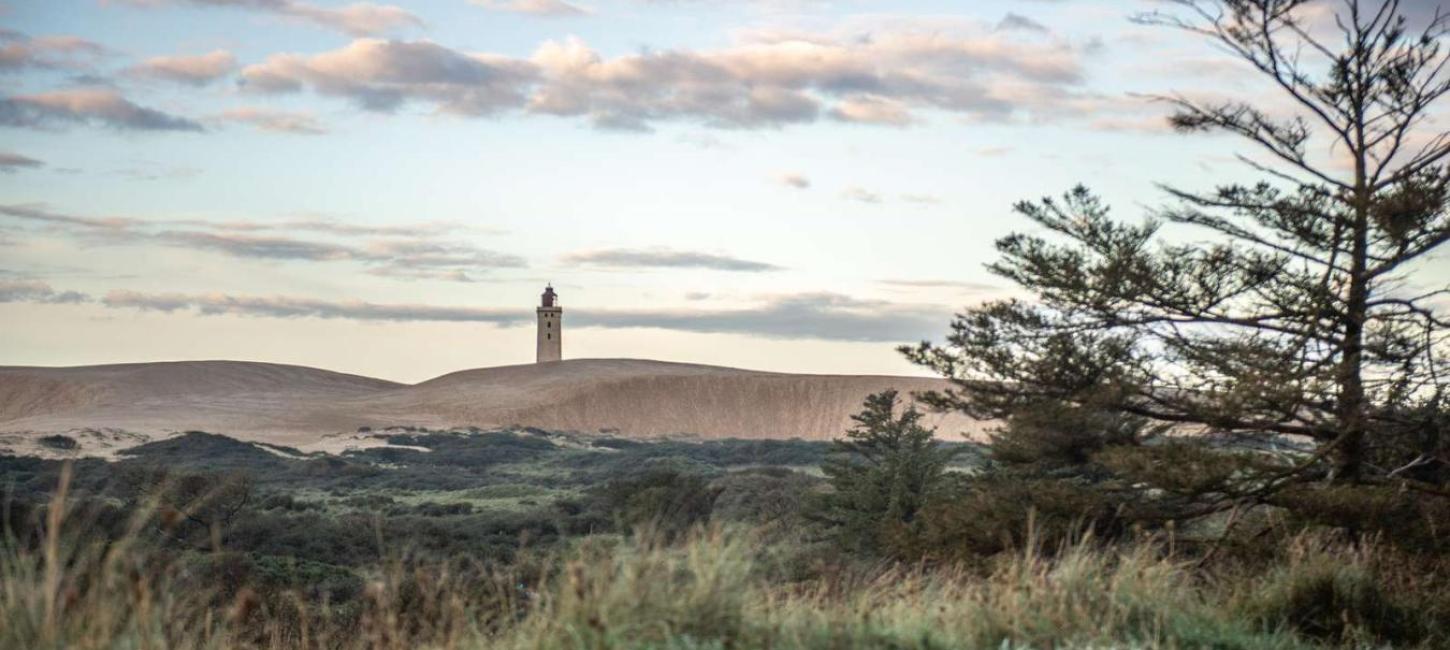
[[551, 327]]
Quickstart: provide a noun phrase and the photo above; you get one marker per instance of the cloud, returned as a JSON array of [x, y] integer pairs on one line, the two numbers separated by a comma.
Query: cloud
[[765, 80], [260, 247], [37, 291], [793, 179], [19, 51], [357, 19], [435, 259], [197, 70], [11, 162], [382, 75], [860, 194], [776, 79], [275, 121], [553, 8], [332, 227], [147, 170], [872, 109], [32, 212], [703, 141], [414, 259], [941, 284], [825, 316], [664, 258], [213, 304], [1013, 21], [43, 214], [98, 106], [921, 199], [409, 252]]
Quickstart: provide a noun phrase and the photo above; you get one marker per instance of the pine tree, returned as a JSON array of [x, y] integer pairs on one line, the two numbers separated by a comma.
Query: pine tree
[[882, 474], [1311, 309]]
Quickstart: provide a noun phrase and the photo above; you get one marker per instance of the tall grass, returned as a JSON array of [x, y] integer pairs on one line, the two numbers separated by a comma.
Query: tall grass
[[711, 590]]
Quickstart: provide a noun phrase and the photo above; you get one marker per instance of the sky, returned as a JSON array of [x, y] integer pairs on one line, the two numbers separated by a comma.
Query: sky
[[385, 189]]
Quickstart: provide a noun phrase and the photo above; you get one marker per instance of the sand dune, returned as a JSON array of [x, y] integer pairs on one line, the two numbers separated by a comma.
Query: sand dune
[[296, 406]]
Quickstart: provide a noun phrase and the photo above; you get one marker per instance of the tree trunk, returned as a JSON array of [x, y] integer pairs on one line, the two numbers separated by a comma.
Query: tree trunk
[[1349, 454]]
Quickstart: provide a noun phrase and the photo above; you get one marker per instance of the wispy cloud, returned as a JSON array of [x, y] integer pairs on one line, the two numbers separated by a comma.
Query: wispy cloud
[[275, 121], [825, 316], [97, 106], [42, 214], [149, 170], [434, 259], [407, 251], [196, 70], [552, 8], [261, 247], [793, 179], [860, 195], [941, 284], [357, 19], [1015, 21], [703, 141], [921, 199], [873, 109], [19, 51], [11, 162], [37, 292], [289, 307], [665, 258]]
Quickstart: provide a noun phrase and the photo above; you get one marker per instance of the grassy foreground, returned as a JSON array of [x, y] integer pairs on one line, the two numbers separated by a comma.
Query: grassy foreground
[[499, 540], [716, 588]]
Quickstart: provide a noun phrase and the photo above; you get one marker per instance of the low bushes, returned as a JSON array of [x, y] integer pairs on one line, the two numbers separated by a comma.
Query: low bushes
[[60, 442], [672, 552]]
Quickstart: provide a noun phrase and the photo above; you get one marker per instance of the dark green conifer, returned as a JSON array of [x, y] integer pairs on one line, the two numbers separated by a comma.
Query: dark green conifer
[[1304, 307], [883, 474]]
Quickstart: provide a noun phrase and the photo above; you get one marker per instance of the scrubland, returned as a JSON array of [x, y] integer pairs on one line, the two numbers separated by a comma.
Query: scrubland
[[537, 540]]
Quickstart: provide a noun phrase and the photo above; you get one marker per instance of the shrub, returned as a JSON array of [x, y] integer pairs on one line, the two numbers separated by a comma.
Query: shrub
[[760, 496], [285, 502], [186, 508], [368, 502], [200, 451], [1053, 434], [999, 512], [270, 575], [433, 509], [663, 500], [1336, 596], [883, 475], [60, 442], [1405, 519], [615, 443]]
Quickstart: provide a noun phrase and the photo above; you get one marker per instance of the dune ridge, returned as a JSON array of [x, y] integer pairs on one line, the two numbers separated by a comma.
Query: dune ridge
[[297, 405]]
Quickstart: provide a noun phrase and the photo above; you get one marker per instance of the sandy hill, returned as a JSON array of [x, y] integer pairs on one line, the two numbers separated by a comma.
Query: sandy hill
[[295, 405]]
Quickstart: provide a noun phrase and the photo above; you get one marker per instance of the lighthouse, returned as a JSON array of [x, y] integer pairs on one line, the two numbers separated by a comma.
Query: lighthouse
[[551, 327]]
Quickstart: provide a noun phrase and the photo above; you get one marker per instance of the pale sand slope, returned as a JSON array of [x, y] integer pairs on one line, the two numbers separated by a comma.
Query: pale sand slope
[[297, 406]]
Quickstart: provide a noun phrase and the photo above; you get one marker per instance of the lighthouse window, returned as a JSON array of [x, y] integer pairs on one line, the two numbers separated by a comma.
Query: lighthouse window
[[548, 337]]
